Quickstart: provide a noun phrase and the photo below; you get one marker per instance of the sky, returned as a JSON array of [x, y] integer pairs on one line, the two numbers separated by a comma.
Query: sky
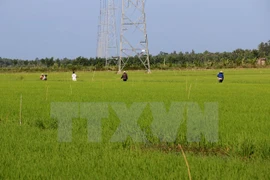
[[32, 29]]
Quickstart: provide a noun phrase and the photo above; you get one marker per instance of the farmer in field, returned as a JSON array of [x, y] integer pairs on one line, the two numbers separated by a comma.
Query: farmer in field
[[124, 76], [74, 76], [220, 76]]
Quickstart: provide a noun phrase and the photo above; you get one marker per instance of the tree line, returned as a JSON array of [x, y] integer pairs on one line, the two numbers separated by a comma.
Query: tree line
[[164, 60]]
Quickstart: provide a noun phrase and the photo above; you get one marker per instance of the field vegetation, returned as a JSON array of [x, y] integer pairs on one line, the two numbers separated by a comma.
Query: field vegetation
[[30, 147]]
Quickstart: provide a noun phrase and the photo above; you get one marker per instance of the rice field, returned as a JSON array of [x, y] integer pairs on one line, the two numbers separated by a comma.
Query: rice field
[[102, 104]]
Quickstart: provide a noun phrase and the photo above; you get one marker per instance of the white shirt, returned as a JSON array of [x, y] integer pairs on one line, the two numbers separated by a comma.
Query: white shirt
[[74, 76]]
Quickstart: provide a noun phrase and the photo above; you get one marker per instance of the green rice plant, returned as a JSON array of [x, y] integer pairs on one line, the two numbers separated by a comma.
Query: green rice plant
[[32, 149]]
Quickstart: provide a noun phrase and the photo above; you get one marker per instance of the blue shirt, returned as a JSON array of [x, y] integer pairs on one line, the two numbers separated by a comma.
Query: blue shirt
[[220, 75]]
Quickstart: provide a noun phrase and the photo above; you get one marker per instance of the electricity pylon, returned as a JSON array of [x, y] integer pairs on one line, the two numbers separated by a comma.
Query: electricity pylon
[[107, 46], [112, 43], [133, 36], [101, 30]]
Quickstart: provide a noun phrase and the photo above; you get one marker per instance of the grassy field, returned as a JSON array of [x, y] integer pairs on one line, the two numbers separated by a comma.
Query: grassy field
[[32, 150]]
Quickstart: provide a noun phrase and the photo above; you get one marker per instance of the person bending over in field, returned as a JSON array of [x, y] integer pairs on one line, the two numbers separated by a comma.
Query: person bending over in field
[[220, 76], [124, 76], [74, 76]]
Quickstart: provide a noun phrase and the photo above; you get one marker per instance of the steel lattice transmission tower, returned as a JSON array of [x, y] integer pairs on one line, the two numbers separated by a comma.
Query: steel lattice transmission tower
[[133, 35], [107, 45], [101, 31]]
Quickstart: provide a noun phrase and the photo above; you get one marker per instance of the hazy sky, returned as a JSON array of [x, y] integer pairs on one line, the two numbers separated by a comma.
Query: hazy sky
[[68, 28]]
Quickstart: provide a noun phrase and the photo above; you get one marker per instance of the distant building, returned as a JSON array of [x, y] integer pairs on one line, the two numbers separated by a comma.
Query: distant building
[[261, 61]]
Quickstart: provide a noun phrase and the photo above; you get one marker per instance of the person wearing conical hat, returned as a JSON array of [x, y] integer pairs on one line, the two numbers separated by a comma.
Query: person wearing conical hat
[[220, 76]]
